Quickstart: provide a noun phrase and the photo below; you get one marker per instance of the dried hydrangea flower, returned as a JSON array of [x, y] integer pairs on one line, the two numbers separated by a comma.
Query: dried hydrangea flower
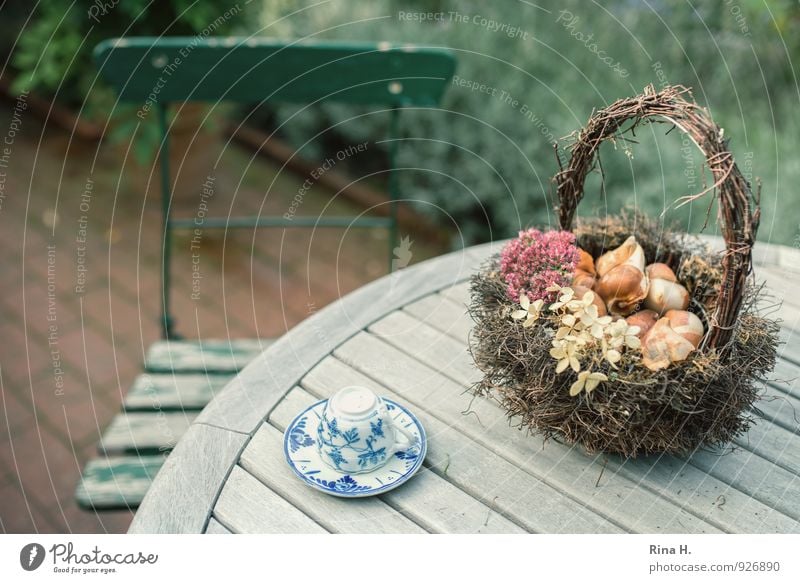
[[620, 334], [565, 351], [530, 311], [593, 322], [612, 355], [566, 295], [569, 325], [586, 381]]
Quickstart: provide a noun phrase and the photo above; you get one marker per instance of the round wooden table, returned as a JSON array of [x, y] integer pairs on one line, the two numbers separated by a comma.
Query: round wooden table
[[406, 337]]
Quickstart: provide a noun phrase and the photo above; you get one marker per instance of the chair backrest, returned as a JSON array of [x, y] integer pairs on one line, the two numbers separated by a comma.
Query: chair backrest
[[155, 72], [168, 69]]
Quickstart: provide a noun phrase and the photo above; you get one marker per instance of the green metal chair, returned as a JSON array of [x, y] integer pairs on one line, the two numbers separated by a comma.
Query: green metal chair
[[156, 73]]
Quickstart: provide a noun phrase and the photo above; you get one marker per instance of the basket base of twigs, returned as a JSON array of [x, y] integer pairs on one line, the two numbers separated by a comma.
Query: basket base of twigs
[[705, 400]]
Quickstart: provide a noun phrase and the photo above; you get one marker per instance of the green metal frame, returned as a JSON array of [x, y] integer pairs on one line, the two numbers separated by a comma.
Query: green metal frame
[[159, 71]]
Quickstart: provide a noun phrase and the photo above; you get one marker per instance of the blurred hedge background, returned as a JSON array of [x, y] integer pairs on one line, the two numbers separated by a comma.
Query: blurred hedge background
[[482, 164], [488, 163]]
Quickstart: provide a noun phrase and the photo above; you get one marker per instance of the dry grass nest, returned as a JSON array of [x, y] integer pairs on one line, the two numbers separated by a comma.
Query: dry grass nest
[[704, 401]]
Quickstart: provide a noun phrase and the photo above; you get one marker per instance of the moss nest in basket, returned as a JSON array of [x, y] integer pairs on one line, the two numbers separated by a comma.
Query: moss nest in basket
[[705, 400]]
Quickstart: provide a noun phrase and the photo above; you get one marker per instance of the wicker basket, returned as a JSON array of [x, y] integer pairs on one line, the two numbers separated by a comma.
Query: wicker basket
[[703, 401]]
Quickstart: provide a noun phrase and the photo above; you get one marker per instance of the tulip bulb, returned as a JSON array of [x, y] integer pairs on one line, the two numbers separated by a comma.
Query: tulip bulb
[[665, 295], [630, 253], [585, 274], [660, 271], [687, 325], [622, 289], [662, 346], [644, 319], [585, 262], [583, 279]]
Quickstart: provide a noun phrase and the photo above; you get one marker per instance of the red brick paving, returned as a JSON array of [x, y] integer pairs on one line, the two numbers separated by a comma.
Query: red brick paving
[[251, 285]]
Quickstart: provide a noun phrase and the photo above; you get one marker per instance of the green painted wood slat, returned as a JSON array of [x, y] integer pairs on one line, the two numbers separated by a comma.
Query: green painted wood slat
[[117, 483], [173, 392], [161, 70], [203, 356]]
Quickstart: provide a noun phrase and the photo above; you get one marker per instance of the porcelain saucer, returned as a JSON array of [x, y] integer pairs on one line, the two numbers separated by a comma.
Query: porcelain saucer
[[301, 452]]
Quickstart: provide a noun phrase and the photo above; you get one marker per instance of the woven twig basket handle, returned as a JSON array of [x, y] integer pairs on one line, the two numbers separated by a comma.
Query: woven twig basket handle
[[738, 216]]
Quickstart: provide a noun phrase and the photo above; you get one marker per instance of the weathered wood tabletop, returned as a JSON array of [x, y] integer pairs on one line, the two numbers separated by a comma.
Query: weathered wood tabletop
[[406, 337]]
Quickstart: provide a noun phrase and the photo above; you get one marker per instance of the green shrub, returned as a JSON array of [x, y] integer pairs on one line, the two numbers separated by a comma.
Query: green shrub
[[53, 55], [484, 161]]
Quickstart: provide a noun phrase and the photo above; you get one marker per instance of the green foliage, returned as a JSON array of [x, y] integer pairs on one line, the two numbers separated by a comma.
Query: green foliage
[[484, 161], [54, 53]]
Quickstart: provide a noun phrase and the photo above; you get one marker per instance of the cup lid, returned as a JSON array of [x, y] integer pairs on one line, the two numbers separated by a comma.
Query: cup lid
[[354, 401]]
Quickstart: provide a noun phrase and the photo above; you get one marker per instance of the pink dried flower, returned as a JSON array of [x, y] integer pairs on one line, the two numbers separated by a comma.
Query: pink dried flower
[[534, 261]]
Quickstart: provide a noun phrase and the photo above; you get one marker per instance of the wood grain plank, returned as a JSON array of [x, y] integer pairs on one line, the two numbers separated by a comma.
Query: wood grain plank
[[119, 482], [247, 506], [774, 443], [782, 286], [779, 408], [458, 292], [173, 392], [264, 458], [786, 378], [760, 478], [439, 506], [428, 500], [443, 314], [566, 469], [789, 337], [712, 499], [183, 492], [216, 527], [789, 259], [428, 345], [203, 356], [473, 468], [144, 433]]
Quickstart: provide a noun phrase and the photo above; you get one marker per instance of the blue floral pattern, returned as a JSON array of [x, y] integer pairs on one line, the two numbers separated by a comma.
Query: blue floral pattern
[[343, 484], [377, 428], [351, 436], [408, 454], [298, 437], [371, 457], [336, 457]]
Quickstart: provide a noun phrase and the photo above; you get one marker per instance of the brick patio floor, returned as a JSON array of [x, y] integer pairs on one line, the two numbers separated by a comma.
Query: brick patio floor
[[68, 356]]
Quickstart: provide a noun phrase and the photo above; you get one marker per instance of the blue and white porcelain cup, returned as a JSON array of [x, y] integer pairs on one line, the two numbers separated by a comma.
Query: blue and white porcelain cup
[[357, 433]]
